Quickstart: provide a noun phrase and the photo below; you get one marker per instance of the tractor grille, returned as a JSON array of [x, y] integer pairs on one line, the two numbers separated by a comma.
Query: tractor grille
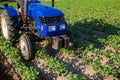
[[49, 20]]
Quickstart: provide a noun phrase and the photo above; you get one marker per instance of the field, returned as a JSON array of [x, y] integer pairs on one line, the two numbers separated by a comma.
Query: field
[[95, 27]]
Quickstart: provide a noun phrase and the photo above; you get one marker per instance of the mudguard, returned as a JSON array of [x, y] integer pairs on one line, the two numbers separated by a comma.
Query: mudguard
[[11, 11]]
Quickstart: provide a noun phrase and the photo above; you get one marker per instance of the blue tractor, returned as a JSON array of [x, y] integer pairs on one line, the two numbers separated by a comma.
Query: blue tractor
[[43, 21]]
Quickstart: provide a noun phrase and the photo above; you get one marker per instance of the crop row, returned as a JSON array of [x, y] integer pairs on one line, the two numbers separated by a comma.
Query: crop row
[[14, 56], [100, 39], [91, 13], [113, 57], [28, 73], [104, 70], [58, 66]]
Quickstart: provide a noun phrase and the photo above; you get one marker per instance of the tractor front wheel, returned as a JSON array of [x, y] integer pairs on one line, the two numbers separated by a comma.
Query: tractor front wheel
[[26, 48]]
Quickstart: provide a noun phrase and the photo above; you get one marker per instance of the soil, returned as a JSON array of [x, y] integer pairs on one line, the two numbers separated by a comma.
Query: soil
[[46, 73], [7, 72], [74, 65]]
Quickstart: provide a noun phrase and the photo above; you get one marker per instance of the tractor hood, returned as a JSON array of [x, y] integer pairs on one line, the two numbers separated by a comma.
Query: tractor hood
[[38, 9]]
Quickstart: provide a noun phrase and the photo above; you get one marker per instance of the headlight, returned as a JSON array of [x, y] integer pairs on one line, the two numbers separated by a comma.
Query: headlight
[[52, 28], [62, 26], [42, 28]]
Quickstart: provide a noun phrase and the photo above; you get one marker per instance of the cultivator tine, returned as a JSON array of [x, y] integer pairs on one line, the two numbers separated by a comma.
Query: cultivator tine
[[56, 42], [65, 40]]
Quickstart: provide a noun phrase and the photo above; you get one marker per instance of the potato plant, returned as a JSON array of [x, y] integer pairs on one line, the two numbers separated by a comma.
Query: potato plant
[[76, 77], [13, 54], [95, 24], [58, 66], [69, 51], [104, 70], [54, 63]]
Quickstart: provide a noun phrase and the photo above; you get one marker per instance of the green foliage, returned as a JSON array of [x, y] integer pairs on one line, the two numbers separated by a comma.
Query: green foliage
[[10, 51], [116, 59], [54, 63], [96, 65], [114, 41], [13, 54], [88, 48], [83, 11], [104, 70], [29, 73], [98, 52], [57, 66], [84, 17], [76, 77], [42, 54], [108, 70], [85, 59], [70, 51], [113, 57], [9, 4]]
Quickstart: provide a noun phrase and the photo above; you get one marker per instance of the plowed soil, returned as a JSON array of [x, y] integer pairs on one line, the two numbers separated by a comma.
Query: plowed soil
[[7, 72]]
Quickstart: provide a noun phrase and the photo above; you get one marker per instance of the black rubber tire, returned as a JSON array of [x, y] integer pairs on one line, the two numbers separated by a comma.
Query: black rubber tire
[[28, 48], [11, 25]]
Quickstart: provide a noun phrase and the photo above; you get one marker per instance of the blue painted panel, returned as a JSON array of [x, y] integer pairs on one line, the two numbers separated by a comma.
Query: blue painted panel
[[43, 10], [46, 32], [11, 11], [35, 10]]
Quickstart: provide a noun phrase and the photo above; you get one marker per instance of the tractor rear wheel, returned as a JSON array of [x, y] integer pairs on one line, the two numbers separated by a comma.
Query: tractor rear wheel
[[26, 48], [8, 27]]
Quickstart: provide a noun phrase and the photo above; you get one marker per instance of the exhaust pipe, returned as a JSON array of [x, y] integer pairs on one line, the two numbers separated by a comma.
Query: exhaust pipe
[[52, 3], [25, 7]]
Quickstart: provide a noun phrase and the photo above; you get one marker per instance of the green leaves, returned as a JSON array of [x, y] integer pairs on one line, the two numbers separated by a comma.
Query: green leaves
[[105, 70], [85, 58], [108, 70], [76, 77], [57, 66], [116, 59], [42, 54], [114, 41], [69, 51], [28, 73], [54, 63], [96, 65]]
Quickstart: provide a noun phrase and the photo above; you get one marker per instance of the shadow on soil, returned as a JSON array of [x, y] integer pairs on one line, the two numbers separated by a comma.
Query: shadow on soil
[[87, 32], [7, 71], [4, 73]]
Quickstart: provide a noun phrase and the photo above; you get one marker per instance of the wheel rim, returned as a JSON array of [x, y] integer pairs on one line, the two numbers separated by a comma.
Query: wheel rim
[[4, 29], [23, 49]]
